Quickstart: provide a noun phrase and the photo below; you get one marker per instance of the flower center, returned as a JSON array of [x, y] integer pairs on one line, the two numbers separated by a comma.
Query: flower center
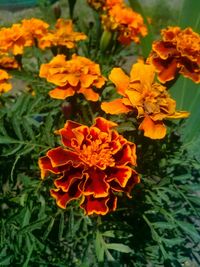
[[97, 154]]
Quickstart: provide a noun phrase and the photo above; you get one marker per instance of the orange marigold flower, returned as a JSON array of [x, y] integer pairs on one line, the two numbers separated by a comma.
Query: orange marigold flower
[[7, 62], [34, 29], [150, 101], [63, 35], [93, 164], [77, 75], [178, 51], [12, 40], [128, 24], [104, 4], [4, 85]]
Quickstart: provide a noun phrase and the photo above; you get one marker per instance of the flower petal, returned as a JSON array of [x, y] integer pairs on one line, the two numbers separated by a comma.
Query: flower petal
[[103, 124], [63, 198], [61, 93], [115, 107], [60, 156], [95, 184], [93, 205], [46, 166], [120, 79], [67, 134], [126, 155], [89, 94], [153, 129], [120, 174], [142, 72], [69, 177]]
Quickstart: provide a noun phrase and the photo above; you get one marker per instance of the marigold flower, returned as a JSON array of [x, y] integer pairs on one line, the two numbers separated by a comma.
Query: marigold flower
[[34, 29], [77, 75], [178, 51], [93, 164], [7, 62], [63, 35], [150, 101], [128, 24], [12, 40], [104, 4], [4, 85]]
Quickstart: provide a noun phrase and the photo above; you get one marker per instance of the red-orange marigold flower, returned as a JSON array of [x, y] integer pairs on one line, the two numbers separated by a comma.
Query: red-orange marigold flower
[[150, 101], [63, 35], [93, 164], [77, 75], [4, 85], [178, 51]]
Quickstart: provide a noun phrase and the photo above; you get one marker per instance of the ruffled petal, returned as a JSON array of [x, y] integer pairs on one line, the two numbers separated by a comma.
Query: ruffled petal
[[67, 134], [46, 167], [153, 129], [103, 124], [63, 198], [70, 176], [120, 174], [93, 205], [126, 155], [95, 184], [60, 156]]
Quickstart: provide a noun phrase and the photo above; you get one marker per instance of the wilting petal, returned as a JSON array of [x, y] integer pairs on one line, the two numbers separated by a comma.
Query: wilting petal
[[153, 129], [179, 115], [63, 198], [95, 184], [115, 107], [120, 174], [120, 79], [60, 156], [61, 93]]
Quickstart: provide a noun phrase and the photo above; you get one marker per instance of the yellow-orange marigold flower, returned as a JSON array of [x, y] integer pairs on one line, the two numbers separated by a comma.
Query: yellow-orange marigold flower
[[63, 35], [77, 75], [178, 51], [7, 62], [150, 101], [34, 29], [128, 24], [93, 164], [4, 85], [12, 39]]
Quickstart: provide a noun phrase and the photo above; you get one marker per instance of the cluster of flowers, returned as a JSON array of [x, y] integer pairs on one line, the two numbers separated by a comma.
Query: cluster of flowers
[[95, 163], [117, 17], [30, 32]]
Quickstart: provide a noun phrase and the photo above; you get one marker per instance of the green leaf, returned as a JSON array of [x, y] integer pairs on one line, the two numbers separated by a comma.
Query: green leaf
[[190, 230], [119, 247]]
